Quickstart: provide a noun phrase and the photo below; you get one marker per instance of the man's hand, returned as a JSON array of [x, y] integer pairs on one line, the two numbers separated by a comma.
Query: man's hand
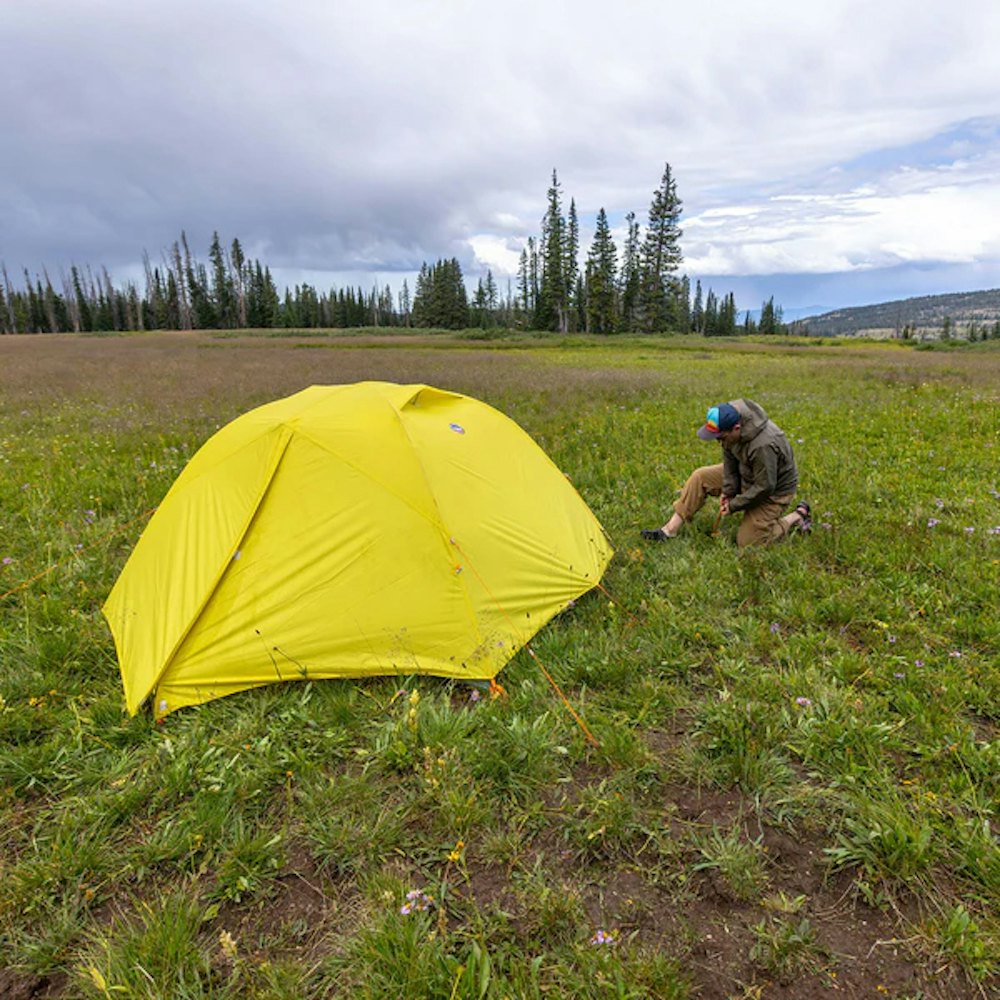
[[724, 506]]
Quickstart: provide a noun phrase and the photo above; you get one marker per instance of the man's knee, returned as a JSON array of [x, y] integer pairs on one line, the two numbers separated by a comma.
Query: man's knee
[[707, 479], [753, 532]]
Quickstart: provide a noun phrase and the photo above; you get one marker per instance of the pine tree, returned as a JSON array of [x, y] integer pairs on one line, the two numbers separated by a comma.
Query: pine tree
[[478, 314], [770, 317], [204, 315], [240, 277], [222, 286], [440, 300], [453, 297], [552, 307], [421, 297], [698, 310], [660, 259], [602, 279], [683, 304], [527, 281], [180, 307], [10, 323], [173, 299], [630, 277], [82, 305], [711, 314], [727, 316], [571, 267], [404, 304], [491, 298], [268, 302]]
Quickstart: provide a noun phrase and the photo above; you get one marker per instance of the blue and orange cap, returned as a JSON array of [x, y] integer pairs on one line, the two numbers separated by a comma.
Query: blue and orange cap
[[718, 420]]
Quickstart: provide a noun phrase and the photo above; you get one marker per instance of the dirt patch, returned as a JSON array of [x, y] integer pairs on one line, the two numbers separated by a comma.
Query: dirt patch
[[15, 986]]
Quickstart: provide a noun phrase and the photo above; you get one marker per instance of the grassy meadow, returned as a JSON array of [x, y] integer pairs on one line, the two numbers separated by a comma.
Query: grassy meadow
[[795, 788]]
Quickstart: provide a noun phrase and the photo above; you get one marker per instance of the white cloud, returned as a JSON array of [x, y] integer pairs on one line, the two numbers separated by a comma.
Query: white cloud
[[909, 216], [495, 253]]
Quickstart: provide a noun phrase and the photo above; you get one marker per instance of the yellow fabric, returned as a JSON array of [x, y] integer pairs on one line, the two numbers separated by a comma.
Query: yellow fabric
[[349, 531]]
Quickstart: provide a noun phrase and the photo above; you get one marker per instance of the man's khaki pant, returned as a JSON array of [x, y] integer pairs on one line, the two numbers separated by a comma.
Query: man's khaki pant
[[761, 524]]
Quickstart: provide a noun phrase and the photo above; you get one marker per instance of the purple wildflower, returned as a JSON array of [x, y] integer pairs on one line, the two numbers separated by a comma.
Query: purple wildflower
[[955, 654], [7, 560], [969, 530], [416, 900], [994, 531], [899, 676], [803, 701], [918, 663], [775, 628], [939, 503], [932, 522], [892, 639], [475, 695], [603, 937]]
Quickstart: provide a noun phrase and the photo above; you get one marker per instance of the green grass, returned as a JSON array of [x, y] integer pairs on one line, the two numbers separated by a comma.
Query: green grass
[[797, 747]]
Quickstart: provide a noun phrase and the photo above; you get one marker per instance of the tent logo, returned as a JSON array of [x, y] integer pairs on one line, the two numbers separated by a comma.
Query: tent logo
[[457, 428]]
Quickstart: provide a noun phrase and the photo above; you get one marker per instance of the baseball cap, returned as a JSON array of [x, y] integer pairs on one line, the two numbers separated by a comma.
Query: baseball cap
[[723, 417]]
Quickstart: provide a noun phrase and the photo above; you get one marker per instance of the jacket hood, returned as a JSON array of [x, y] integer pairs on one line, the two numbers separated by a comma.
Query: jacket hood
[[752, 418]]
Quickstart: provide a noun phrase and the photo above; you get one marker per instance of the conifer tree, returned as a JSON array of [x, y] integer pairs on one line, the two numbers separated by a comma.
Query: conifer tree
[[478, 312], [711, 314], [82, 305], [10, 323], [239, 281], [552, 307], [180, 306], [491, 295], [173, 310], [404, 304], [683, 304], [421, 297], [602, 279], [440, 299], [222, 288], [727, 316], [660, 259], [698, 310], [571, 267], [770, 317], [527, 280], [630, 277]]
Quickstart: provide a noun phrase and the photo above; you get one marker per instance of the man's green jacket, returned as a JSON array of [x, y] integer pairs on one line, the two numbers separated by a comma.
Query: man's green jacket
[[760, 465]]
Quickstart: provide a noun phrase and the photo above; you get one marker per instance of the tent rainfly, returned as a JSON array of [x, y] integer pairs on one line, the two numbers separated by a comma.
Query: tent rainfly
[[350, 531]]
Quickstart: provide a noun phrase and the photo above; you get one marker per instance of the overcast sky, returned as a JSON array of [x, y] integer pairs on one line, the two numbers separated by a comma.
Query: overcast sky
[[827, 154]]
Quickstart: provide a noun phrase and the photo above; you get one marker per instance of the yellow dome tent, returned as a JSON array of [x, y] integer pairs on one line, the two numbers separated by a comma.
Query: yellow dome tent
[[348, 531]]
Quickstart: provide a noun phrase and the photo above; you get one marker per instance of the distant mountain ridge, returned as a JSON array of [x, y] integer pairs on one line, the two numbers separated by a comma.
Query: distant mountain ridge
[[969, 315]]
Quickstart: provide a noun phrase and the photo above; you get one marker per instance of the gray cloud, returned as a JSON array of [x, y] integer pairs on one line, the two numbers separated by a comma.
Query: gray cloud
[[366, 137]]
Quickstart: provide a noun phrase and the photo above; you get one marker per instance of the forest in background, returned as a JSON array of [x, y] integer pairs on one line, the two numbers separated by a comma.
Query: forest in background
[[639, 290]]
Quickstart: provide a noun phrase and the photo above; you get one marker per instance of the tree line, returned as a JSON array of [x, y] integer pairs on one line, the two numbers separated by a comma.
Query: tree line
[[231, 292], [639, 290]]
